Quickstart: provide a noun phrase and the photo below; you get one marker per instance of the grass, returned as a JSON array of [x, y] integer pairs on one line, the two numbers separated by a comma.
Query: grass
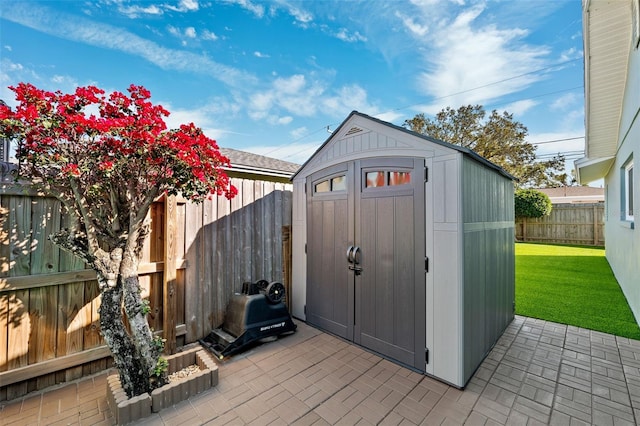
[[571, 285]]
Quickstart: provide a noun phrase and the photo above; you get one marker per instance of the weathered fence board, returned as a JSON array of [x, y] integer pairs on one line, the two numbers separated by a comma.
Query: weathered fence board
[[49, 302], [581, 224]]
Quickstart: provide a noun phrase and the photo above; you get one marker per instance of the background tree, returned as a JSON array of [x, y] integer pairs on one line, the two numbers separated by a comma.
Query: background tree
[[107, 158], [532, 203], [498, 138]]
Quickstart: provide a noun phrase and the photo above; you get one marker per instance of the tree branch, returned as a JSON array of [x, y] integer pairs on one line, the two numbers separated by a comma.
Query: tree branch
[[73, 243], [92, 242]]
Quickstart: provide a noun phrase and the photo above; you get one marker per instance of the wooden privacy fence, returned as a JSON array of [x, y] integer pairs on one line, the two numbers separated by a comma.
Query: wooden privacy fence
[[195, 258], [581, 224]]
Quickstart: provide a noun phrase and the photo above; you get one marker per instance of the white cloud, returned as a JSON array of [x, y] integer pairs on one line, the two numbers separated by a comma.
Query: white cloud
[[283, 120], [302, 17], [135, 11], [293, 94], [189, 4], [256, 9], [189, 32], [347, 99], [183, 6], [301, 95], [209, 35], [203, 116], [260, 55], [390, 117], [294, 153], [518, 108], [7, 47], [344, 35], [565, 101], [570, 54], [107, 36], [465, 58], [8, 66], [411, 24], [298, 133]]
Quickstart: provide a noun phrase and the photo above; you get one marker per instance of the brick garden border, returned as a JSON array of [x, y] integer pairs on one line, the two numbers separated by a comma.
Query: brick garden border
[[126, 410]]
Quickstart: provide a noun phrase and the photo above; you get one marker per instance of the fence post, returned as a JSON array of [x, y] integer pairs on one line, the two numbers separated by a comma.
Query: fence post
[[595, 224], [169, 299]]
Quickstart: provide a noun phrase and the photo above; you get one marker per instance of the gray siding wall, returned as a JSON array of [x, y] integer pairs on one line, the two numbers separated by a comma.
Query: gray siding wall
[[489, 259]]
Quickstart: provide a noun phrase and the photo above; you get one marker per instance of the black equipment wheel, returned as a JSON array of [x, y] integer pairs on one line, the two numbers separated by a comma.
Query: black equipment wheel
[[275, 292], [262, 285]]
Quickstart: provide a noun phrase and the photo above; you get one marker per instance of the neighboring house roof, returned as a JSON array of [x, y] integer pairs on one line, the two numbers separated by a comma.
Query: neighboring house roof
[[459, 148], [574, 194], [607, 35], [247, 162]]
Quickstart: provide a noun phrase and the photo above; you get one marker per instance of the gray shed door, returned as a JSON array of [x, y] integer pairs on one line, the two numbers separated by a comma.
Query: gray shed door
[[366, 255]]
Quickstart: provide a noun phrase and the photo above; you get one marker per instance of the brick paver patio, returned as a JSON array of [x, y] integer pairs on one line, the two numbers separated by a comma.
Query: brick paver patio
[[538, 373]]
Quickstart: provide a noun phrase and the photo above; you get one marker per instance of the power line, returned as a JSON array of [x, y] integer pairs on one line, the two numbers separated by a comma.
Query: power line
[[557, 140], [442, 97], [563, 153], [491, 84], [295, 141], [516, 100]]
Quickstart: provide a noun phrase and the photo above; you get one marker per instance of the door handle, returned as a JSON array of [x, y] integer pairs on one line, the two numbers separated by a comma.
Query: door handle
[[353, 257], [350, 254], [356, 255]]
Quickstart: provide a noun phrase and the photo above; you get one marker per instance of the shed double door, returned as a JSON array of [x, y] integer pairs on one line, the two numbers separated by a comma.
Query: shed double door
[[366, 255]]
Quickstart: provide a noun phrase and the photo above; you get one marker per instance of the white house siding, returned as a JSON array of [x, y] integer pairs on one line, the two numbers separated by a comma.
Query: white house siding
[[622, 241]]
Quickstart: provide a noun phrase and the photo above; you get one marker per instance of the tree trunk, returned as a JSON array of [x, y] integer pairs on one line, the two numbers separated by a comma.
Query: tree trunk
[[120, 343], [135, 351]]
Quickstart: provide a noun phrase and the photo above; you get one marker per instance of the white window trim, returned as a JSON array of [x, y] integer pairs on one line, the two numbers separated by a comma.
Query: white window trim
[[628, 196]]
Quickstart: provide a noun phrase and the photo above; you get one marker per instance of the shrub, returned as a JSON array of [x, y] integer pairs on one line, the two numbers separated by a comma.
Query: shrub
[[532, 203]]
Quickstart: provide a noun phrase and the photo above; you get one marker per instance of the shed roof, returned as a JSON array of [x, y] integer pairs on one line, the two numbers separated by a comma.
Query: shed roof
[[463, 150], [247, 162]]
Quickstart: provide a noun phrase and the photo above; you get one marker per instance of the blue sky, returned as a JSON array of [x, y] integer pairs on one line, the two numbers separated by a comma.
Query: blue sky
[[270, 77]]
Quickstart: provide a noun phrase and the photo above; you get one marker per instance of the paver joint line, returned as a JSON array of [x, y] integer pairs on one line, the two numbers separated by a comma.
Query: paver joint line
[[538, 372]]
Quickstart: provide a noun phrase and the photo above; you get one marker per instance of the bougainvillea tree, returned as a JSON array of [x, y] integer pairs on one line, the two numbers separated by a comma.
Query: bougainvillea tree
[[107, 158]]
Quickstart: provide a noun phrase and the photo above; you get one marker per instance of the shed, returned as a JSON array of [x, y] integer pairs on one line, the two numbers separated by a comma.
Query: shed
[[404, 244]]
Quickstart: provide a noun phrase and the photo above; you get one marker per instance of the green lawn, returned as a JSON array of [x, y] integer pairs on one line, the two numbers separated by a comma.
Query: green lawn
[[571, 285]]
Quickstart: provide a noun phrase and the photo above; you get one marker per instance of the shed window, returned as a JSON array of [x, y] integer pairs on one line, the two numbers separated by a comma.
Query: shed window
[[399, 178], [337, 183], [627, 189], [375, 179], [324, 186], [379, 179]]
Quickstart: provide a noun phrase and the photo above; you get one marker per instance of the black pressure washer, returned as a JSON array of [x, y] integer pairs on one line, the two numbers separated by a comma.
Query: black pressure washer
[[257, 314]]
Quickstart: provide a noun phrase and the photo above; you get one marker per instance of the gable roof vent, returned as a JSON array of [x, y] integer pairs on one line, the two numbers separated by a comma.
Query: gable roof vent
[[353, 131]]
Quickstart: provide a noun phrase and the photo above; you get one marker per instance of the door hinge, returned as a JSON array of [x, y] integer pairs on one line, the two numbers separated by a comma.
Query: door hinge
[[305, 309], [305, 248], [426, 264], [426, 355], [426, 174]]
